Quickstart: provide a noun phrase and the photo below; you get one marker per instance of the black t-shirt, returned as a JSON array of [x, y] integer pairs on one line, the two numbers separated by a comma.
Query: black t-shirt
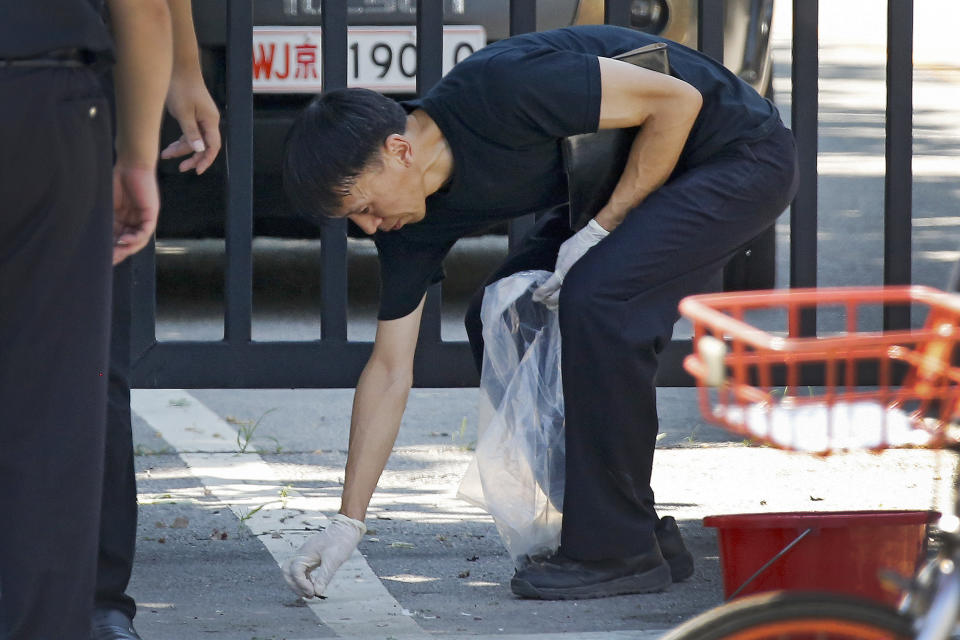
[[29, 28], [503, 112]]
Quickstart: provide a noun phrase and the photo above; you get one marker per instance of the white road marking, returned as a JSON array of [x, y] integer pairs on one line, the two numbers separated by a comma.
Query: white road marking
[[358, 603]]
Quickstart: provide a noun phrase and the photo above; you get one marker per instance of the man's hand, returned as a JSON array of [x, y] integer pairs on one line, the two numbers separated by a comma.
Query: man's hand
[[189, 102], [136, 204], [570, 251], [325, 552]]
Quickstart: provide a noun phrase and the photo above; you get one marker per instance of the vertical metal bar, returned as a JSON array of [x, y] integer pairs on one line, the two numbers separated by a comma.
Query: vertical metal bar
[[429, 72], [120, 327], [333, 234], [333, 21], [239, 225], [143, 301], [333, 291], [710, 28], [523, 16], [804, 102], [523, 19], [429, 44], [898, 182], [616, 12]]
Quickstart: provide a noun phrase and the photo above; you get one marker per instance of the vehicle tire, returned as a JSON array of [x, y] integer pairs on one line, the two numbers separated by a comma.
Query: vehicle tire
[[785, 615], [755, 265]]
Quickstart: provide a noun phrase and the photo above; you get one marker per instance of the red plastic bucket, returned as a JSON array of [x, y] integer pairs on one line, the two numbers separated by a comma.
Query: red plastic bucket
[[841, 551]]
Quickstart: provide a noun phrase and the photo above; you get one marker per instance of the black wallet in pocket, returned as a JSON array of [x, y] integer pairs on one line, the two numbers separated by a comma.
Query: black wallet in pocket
[[593, 162]]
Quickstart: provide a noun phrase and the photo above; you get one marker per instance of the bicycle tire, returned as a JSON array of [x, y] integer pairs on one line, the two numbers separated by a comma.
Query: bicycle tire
[[785, 615]]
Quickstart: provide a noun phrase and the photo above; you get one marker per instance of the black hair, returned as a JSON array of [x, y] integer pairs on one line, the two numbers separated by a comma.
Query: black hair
[[333, 140]]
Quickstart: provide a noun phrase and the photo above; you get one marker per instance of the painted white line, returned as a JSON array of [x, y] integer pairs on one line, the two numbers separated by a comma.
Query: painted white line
[[358, 603]]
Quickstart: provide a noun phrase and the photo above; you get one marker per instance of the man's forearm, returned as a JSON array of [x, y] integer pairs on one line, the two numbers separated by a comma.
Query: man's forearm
[[378, 406], [652, 158], [143, 36]]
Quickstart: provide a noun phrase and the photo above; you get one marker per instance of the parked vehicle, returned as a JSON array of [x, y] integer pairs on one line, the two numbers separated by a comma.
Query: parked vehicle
[[382, 56]]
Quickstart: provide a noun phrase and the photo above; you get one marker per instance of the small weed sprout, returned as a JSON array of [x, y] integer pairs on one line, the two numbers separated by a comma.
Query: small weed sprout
[[246, 516], [461, 435], [246, 429]]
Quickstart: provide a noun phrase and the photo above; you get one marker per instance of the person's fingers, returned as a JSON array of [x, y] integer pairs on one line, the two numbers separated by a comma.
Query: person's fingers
[[127, 245], [190, 142], [128, 240], [548, 288], [192, 135], [321, 578], [295, 573], [190, 163], [133, 241], [120, 254], [211, 136], [182, 147], [176, 149], [553, 300]]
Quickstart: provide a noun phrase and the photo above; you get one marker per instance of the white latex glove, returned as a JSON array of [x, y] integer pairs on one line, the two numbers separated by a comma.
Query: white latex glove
[[570, 251], [324, 551]]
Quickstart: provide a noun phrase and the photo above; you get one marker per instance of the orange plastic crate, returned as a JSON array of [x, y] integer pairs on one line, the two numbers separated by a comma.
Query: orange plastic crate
[[879, 389]]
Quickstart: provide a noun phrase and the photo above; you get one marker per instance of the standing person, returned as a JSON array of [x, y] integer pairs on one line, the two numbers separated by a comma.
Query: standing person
[[189, 102], [712, 165], [55, 260]]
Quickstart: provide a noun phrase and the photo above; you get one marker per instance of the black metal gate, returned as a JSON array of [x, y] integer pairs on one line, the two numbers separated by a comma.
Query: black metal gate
[[334, 361]]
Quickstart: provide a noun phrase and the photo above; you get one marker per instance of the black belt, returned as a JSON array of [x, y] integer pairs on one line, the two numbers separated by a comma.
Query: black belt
[[58, 58]]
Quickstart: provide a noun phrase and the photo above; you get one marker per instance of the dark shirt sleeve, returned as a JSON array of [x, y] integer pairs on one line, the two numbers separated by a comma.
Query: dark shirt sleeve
[[407, 269], [544, 92]]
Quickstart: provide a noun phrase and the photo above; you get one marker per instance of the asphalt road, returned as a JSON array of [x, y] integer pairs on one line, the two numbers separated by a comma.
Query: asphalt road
[[214, 522]]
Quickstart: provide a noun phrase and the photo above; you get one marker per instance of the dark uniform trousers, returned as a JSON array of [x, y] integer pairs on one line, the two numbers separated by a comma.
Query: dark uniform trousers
[[55, 254], [618, 306], [118, 524], [118, 520]]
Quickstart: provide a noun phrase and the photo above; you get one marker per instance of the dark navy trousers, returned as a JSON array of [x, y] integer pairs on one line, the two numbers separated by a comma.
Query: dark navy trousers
[[618, 306], [55, 252], [118, 515]]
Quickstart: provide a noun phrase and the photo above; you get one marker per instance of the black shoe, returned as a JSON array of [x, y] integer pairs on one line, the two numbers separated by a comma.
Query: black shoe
[[110, 624], [673, 549], [560, 578]]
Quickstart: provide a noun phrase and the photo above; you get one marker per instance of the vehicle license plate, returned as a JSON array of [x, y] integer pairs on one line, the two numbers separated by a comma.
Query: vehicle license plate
[[287, 59]]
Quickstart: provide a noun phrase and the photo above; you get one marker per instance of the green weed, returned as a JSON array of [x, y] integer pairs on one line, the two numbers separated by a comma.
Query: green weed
[[246, 430]]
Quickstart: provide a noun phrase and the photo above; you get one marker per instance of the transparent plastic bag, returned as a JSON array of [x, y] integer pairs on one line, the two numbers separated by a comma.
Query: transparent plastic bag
[[517, 471]]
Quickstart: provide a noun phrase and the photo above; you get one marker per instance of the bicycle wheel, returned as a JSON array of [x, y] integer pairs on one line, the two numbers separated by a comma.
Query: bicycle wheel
[[793, 615]]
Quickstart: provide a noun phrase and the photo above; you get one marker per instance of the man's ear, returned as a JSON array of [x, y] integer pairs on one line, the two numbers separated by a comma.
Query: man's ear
[[398, 146]]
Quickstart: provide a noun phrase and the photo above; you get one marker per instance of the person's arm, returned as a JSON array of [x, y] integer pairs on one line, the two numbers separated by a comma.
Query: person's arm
[[143, 39], [378, 406], [666, 108], [631, 96], [188, 100]]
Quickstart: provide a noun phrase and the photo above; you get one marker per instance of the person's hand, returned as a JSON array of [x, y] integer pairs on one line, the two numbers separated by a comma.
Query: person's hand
[[136, 204], [570, 251], [325, 552], [189, 102]]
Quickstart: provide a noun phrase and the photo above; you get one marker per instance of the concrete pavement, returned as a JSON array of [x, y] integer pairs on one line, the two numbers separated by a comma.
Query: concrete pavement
[[215, 523]]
